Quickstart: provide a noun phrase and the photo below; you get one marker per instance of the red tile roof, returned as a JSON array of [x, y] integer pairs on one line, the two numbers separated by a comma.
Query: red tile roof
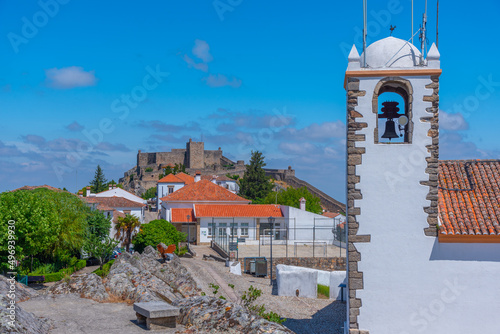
[[180, 215], [250, 210], [188, 179], [116, 215], [330, 214], [469, 197], [114, 202], [203, 191], [170, 178]]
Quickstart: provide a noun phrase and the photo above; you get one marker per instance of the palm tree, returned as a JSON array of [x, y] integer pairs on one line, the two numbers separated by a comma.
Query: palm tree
[[125, 229]]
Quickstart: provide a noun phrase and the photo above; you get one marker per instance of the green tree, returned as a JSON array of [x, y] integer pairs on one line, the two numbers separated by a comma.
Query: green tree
[[49, 225], [150, 193], [99, 183], [98, 224], [157, 231], [125, 229], [101, 249], [255, 185], [292, 196]]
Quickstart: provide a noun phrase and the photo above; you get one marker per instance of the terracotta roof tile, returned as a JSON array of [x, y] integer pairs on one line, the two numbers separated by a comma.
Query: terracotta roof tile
[[330, 214], [171, 178], [203, 190], [469, 197], [180, 215], [188, 179], [114, 202], [249, 210]]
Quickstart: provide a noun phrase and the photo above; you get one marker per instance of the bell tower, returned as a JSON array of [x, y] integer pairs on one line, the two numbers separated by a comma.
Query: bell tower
[[392, 173]]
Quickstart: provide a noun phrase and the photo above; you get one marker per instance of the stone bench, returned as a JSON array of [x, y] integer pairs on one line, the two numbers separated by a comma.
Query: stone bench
[[156, 315]]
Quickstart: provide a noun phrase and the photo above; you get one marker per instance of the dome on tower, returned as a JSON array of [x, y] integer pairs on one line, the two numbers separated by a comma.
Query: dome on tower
[[391, 52]]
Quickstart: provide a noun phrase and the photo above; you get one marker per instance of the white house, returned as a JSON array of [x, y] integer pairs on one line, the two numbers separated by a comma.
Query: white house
[[201, 192], [423, 235], [171, 183], [119, 204], [119, 192]]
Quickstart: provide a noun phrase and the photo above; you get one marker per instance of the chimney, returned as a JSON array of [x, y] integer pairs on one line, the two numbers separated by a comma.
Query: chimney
[[80, 193], [303, 204], [197, 176], [88, 192], [110, 186]]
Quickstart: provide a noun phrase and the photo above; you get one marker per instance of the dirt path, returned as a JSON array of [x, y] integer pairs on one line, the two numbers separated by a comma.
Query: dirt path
[[304, 315], [75, 315]]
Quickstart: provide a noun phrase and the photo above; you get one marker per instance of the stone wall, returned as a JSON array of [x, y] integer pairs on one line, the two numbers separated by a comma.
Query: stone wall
[[195, 154], [320, 263], [432, 161], [354, 158]]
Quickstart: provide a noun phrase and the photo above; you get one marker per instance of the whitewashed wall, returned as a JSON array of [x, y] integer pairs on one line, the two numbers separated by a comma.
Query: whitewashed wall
[[413, 284], [118, 192], [162, 190]]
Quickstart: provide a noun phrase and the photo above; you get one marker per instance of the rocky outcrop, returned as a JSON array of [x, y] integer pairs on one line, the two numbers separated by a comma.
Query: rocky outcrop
[[211, 315], [142, 278], [13, 318], [86, 285], [134, 278]]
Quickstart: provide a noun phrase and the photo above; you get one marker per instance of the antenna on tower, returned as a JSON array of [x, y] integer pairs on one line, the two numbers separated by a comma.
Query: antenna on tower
[[437, 25], [364, 32], [412, 33], [422, 35]]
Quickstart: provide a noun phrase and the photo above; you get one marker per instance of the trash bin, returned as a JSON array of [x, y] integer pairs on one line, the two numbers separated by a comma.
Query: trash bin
[[252, 267], [261, 267]]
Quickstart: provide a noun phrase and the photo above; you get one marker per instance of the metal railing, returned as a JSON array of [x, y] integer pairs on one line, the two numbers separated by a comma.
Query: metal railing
[[324, 238]]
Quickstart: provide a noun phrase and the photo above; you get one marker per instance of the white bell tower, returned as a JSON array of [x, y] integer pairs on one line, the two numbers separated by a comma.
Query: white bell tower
[[392, 174]]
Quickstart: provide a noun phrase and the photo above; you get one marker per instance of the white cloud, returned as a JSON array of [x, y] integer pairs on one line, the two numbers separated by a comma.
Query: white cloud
[[199, 66], [317, 131], [303, 148], [75, 127], [201, 50], [453, 122], [69, 77], [220, 80]]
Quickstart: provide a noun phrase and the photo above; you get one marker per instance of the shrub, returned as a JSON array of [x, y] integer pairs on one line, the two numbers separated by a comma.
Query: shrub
[[149, 169], [44, 269], [54, 277], [324, 290], [105, 269], [80, 265], [157, 231]]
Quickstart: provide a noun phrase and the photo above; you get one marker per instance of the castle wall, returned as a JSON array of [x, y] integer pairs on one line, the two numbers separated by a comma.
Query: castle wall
[[212, 157], [195, 154]]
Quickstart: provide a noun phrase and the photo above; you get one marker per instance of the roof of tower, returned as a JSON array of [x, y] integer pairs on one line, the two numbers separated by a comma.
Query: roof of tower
[[391, 52]]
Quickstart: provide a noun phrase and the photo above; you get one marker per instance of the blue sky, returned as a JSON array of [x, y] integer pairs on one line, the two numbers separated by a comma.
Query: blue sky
[[91, 82]]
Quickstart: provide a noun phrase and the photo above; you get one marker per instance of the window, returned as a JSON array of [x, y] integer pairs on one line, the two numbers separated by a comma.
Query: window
[[244, 229], [234, 228], [211, 229], [392, 101], [170, 189], [222, 229]]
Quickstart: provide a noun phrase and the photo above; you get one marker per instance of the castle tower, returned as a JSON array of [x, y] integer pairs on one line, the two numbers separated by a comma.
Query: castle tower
[[392, 173], [195, 154]]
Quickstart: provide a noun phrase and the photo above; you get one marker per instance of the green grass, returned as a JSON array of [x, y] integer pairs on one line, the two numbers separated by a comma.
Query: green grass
[[324, 290]]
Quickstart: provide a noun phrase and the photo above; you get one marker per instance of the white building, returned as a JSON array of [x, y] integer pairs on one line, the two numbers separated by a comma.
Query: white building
[[170, 184], [115, 191], [402, 277]]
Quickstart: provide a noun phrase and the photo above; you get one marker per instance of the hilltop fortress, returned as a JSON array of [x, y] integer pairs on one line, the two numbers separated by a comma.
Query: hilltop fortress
[[195, 158]]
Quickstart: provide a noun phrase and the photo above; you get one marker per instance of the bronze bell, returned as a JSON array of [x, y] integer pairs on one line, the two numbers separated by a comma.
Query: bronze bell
[[390, 130]]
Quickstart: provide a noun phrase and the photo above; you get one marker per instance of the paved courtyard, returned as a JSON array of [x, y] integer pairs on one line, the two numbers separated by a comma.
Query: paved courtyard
[[299, 250]]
